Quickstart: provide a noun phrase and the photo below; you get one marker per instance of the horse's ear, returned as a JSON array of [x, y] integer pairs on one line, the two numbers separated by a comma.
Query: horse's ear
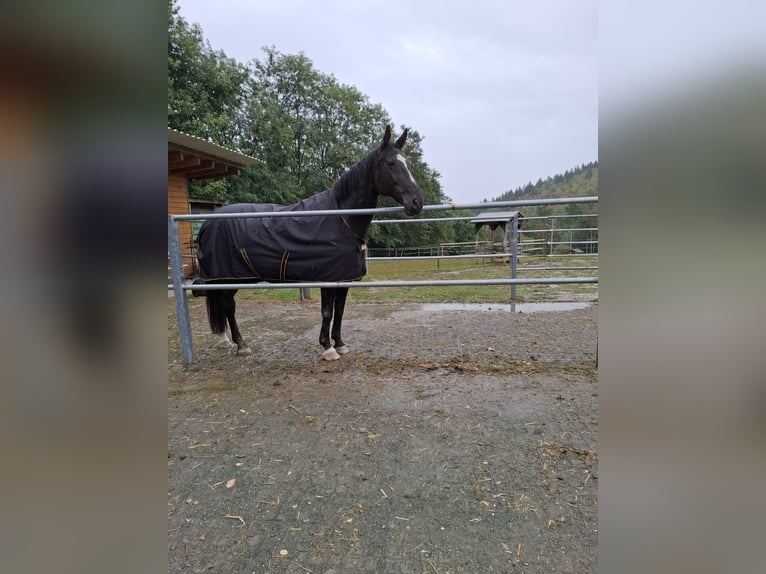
[[402, 140], [386, 136]]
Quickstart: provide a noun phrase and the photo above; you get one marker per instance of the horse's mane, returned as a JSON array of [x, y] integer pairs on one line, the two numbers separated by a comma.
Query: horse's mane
[[349, 181]]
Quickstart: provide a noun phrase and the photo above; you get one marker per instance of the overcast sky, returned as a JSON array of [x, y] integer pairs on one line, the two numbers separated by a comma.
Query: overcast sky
[[503, 93]]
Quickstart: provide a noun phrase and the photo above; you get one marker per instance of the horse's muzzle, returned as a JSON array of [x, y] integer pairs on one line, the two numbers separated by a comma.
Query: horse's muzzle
[[414, 206]]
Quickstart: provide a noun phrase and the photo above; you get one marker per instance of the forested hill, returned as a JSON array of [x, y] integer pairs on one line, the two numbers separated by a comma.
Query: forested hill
[[578, 182], [577, 217]]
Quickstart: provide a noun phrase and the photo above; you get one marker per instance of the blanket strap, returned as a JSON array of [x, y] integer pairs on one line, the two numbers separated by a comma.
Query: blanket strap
[[363, 246], [283, 266], [246, 259]]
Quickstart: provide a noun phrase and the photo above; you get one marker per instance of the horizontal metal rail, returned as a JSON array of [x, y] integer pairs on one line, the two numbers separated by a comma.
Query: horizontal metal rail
[[549, 268], [479, 255], [561, 216], [574, 241], [358, 284], [557, 230], [424, 219], [414, 257], [560, 255], [470, 217], [373, 211], [474, 256]]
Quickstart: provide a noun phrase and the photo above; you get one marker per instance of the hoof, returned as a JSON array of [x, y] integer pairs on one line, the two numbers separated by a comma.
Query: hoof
[[330, 355], [244, 351], [342, 350], [226, 345]]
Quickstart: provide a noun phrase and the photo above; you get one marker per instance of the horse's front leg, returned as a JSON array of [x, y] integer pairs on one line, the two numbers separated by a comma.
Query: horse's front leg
[[340, 306], [328, 303]]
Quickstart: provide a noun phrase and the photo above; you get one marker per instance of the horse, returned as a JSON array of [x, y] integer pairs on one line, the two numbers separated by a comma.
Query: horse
[[312, 248]]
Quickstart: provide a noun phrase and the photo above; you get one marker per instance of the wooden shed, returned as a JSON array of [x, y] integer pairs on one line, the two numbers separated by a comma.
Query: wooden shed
[[192, 159]]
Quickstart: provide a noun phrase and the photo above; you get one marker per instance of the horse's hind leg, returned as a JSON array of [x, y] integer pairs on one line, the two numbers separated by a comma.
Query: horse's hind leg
[[340, 306], [328, 303], [216, 314], [231, 307]]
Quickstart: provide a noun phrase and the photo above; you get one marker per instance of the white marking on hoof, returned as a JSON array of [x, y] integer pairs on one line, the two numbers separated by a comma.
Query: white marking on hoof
[[330, 355], [224, 342], [244, 351], [342, 350]]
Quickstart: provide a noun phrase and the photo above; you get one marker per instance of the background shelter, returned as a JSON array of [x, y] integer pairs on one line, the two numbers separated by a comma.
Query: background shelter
[[495, 219], [192, 159]]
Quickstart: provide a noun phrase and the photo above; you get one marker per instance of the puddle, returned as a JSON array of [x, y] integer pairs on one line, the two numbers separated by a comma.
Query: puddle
[[505, 308]]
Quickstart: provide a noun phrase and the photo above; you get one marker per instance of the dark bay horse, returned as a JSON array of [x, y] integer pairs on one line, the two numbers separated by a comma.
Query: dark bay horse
[[313, 248]]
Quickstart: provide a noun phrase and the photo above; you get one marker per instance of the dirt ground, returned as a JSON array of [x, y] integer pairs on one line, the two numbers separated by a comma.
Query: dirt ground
[[445, 442]]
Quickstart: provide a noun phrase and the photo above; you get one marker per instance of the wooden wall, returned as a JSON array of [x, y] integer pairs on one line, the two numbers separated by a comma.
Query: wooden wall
[[178, 203]]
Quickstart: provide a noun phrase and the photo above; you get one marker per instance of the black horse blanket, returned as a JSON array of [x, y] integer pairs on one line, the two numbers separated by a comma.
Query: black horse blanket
[[281, 249]]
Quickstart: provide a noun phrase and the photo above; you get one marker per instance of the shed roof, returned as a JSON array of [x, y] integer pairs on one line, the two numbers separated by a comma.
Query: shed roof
[[496, 217], [196, 158]]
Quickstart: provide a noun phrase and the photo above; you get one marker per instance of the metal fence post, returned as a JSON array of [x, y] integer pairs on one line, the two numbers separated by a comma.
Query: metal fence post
[[177, 274], [514, 252], [550, 250]]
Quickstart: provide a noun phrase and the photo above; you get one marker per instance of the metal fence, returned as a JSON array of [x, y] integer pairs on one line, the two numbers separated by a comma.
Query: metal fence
[[180, 288], [543, 241]]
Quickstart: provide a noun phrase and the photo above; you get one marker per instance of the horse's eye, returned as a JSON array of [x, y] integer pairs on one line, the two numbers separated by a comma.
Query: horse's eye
[[391, 163]]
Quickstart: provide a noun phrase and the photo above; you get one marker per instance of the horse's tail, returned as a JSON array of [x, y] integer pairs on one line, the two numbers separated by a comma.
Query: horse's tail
[[216, 304], [216, 310], [198, 292]]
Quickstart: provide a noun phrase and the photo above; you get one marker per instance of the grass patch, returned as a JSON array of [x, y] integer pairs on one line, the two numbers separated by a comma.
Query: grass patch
[[423, 270]]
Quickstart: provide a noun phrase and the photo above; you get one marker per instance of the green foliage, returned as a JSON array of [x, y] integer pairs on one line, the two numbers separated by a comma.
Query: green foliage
[[206, 91], [304, 125], [205, 88], [211, 189], [578, 182], [463, 230], [422, 270]]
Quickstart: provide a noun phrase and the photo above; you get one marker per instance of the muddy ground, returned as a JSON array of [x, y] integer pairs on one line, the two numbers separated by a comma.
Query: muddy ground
[[445, 442]]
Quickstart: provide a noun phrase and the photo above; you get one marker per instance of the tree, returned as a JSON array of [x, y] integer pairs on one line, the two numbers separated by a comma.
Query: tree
[[305, 127], [205, 88], [205, 91]]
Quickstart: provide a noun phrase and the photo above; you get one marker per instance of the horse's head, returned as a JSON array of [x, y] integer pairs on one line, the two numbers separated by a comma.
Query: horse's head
[[393, 177]]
